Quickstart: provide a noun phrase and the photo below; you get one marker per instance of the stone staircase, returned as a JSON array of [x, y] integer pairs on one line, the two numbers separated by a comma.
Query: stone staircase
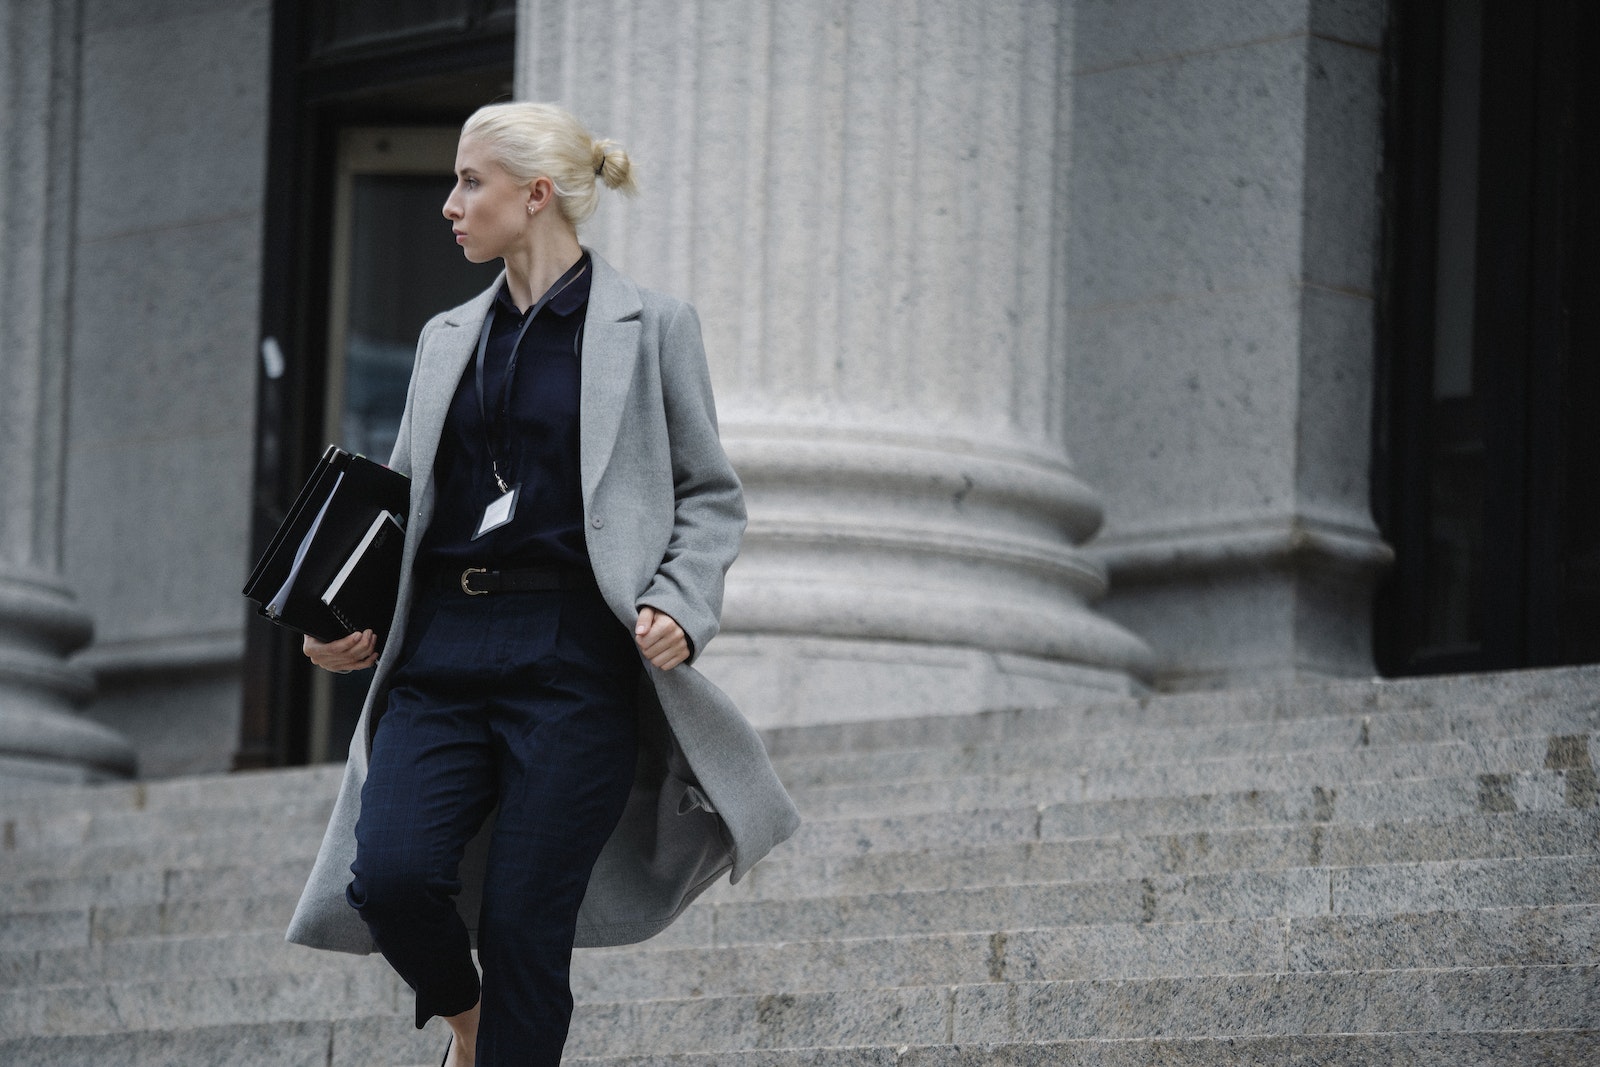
[[1385, 873]]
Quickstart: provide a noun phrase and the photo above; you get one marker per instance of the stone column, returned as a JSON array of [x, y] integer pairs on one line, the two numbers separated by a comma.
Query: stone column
[[40, 623], [865, 201], [1223, 254]]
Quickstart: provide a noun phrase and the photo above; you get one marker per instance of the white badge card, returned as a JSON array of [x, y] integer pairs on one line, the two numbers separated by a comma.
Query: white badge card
[[500, 512]]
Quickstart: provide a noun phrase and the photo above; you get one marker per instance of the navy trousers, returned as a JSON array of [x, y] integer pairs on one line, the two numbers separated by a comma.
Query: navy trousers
[[528, 702]]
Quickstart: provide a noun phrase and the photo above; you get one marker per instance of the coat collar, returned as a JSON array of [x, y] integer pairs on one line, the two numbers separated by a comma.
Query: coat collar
[[610, 350]]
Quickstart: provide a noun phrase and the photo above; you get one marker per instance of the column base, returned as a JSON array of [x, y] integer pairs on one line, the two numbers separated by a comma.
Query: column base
[[791, 681], [1248, 605], [42, 739]]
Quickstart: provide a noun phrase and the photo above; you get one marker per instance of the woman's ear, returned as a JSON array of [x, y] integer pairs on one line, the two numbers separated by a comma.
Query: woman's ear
[[540, 192]]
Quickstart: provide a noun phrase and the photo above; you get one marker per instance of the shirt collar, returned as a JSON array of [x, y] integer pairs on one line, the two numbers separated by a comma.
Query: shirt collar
[[565, 303]]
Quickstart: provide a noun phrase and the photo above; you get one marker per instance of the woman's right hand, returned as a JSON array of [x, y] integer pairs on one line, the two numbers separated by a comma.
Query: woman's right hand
[[347, 654]]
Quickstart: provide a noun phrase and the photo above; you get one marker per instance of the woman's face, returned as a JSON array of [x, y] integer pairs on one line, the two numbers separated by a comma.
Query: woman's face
[[487, 209]]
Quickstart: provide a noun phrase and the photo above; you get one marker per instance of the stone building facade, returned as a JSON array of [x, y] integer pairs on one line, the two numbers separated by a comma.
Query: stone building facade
[[1045, 335]]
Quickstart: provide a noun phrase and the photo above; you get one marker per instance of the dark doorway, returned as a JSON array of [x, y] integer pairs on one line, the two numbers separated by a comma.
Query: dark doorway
[[1488, 427], [366, 99]]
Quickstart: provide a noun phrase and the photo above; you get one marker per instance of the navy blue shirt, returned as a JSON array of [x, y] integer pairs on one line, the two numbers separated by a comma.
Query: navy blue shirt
[[538, 448]]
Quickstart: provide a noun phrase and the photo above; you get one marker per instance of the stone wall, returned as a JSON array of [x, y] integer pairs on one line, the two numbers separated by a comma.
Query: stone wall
[[1222, 259], [164, 299]]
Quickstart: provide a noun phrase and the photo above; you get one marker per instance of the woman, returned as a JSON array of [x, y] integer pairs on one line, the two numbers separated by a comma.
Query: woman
[[537, 764]]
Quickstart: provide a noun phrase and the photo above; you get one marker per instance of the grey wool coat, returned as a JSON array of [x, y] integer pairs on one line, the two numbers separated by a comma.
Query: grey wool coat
[[664, 514]]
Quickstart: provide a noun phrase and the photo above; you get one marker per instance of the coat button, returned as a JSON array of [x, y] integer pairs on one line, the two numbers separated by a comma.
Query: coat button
[[597, 522]]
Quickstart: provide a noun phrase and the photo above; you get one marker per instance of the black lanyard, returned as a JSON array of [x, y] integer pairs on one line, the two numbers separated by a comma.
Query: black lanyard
[[573, 274]]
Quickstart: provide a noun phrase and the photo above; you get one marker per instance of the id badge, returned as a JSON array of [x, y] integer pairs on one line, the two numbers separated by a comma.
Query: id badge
[[500, 512]]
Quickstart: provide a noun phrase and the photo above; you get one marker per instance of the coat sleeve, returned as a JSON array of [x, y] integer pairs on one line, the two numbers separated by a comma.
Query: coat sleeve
[[709, 513]]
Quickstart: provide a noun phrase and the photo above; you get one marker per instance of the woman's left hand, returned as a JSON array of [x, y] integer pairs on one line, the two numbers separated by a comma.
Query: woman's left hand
[[660, 638]]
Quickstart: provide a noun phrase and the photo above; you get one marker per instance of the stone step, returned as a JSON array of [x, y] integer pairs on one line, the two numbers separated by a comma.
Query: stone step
[[387, 1042], [1286, 893], [792, 873], [1381, 889], [175, 814], [1486, 937], [1572, 688], [797, 872], [1275, 876], [285, 842], [1510, 773], [135, 959], [1390, 801], [365, 988], [929, 852], [216, 879], [1473, 938], [73, 928], [289, 1043], [1562, 1048], [1500, 790], [230, 804], [112, 813], [1444, 999], [65, 812], [1143, 745], [1177, 773]]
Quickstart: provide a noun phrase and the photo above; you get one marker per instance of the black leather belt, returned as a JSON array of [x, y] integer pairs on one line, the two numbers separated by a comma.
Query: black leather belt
[[480, 581]]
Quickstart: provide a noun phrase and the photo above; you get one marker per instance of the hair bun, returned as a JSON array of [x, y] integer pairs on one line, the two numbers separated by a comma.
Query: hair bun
[[612, 166]]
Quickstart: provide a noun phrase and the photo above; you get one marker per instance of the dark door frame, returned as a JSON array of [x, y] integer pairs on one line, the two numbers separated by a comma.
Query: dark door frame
[[435, 75], [1536, 404]]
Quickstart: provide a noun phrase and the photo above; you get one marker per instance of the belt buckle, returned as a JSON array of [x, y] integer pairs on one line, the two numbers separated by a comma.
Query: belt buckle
[[467, 574]]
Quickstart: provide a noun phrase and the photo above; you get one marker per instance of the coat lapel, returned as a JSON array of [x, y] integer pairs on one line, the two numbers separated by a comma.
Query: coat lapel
[[449, 349], [610, 348]]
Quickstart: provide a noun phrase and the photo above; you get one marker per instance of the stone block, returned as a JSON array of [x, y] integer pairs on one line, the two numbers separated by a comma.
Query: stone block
[[1187, 177], [113, 887], [176, 957], [1346, 1003], [861, 680], [1496, 937], [1356, 22], [642, 973], [892, 1016], [1210, 850], [1554, 696], [1140, 950], [176, 1004], [192, 918], [384, 1039], [153, 851], [1339, 1050], [277, 1044], [25, 931], [179, 721], [1455, 885], [1117, 33], [1169, 898], [1344, 157], [171, 576], [1183, 396], [157, 152]]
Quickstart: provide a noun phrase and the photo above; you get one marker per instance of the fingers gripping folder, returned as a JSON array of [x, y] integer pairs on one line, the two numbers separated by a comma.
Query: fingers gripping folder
[[333, 567]]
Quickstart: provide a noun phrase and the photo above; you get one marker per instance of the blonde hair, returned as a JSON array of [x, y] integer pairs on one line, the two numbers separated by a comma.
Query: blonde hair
[[545, 141]]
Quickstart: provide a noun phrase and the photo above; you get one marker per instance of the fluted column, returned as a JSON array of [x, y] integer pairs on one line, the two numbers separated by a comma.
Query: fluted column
[[864, 199], [40, 622]]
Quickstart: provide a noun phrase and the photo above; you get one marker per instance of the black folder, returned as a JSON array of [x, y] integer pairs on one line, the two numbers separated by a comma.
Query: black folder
[[333, 567]]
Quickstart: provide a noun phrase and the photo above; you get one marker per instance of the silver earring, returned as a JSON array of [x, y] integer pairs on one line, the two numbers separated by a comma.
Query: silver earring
[[530, 209]]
